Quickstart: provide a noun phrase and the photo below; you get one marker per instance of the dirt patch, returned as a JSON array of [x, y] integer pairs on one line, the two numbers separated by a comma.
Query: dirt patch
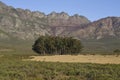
[[101, 59]]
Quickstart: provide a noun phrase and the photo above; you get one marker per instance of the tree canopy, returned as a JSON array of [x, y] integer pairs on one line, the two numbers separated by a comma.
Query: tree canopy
[[57, 45], [116, 51]]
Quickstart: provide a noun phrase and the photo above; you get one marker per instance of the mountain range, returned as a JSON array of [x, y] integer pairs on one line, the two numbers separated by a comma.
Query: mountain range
[[28, 25]]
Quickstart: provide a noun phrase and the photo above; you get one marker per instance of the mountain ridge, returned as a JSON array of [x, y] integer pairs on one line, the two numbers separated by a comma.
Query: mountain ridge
[[29, 25]]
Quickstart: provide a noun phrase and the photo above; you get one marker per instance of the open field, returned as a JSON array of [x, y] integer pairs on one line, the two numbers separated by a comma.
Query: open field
[[13, 68], [101, 59]]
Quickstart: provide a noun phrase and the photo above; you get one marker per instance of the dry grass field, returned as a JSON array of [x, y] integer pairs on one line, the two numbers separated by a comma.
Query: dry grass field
[[101, 59]]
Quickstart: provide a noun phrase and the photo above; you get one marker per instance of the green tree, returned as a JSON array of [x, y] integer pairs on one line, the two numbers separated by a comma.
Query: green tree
[[39, 45], [57, 45], [117, 51]]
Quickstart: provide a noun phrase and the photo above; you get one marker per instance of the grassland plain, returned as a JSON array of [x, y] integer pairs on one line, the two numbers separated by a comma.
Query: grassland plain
[[13, 68]]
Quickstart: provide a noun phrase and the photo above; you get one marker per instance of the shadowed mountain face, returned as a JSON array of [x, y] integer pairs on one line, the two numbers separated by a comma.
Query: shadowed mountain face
[[27, 25]]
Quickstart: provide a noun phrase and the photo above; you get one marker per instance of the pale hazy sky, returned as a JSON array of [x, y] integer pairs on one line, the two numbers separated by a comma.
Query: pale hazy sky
[[92, 9]]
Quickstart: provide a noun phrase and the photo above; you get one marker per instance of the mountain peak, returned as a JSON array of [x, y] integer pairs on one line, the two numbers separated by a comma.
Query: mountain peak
[[2, 4]]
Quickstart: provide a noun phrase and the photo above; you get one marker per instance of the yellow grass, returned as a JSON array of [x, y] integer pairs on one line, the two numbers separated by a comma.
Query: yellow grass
[[101, 59]]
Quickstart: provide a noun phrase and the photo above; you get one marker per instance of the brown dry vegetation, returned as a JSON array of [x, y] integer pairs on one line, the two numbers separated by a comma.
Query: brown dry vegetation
[[101, 59]]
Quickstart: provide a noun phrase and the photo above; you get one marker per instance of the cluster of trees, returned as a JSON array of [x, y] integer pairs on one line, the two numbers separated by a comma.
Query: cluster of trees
[[116, 51], [57, 45]]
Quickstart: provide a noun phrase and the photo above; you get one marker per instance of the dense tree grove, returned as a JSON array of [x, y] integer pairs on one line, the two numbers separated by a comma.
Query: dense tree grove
[[57, 45]]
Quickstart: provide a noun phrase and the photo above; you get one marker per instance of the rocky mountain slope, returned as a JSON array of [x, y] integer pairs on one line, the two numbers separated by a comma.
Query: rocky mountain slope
[[28, 25], [103, 28], [24, 24]]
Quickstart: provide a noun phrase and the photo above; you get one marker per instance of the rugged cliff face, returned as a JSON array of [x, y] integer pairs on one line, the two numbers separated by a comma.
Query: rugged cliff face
[[106, 27], [27, 25], [24, 24]]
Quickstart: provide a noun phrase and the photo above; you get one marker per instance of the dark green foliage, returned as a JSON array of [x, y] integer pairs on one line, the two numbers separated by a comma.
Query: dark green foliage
[[117, 51], [57, 45]]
